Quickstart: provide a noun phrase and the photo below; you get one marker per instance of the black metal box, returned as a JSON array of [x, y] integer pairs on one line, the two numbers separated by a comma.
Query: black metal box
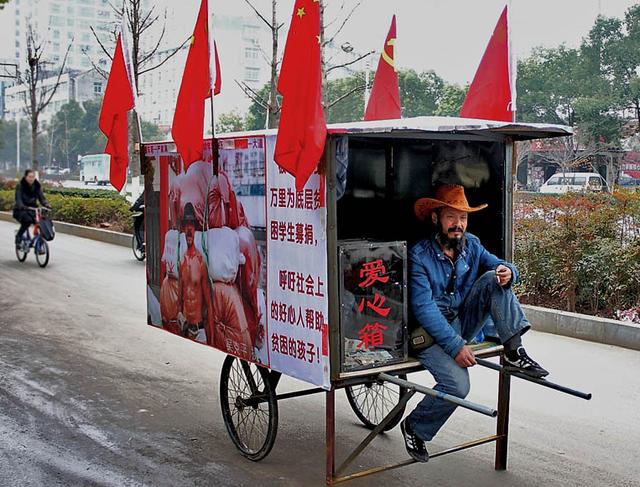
[[373, 304]]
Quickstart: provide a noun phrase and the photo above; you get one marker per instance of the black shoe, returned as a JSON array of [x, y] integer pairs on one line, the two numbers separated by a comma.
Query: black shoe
[[519, 361], [415, 446]]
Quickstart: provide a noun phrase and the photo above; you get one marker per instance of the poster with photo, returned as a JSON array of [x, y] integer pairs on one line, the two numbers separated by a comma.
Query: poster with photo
[[212, 277], [237, 257]]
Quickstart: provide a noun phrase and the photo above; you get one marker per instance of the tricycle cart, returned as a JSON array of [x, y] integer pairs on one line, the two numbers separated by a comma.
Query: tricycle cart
[[313, 283]]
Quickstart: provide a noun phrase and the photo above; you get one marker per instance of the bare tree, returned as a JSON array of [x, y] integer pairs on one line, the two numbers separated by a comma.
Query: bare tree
[[272, 105], [139, 20], [41, 85]]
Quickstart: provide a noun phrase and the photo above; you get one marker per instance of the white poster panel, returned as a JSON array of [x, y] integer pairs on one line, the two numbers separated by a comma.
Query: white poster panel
[[297, 283]]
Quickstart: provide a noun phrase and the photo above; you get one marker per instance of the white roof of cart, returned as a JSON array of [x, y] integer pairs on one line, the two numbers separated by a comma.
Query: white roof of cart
[[453, 125], [406, 127]]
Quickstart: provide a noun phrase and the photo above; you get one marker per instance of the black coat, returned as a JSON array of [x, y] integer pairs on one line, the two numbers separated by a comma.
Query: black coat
[[28, 196], [139, 203]]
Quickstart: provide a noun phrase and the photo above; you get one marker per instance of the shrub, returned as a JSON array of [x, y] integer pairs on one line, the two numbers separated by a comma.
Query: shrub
[[93, 212], [579, 252]]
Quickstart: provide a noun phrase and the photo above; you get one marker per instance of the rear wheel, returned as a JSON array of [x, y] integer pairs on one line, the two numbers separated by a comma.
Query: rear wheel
[[373, 401], [137, 252], [249, 407], [22, 251], [42, 252]]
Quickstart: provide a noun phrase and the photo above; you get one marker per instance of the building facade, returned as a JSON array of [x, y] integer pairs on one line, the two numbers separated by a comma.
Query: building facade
[[58, 25], [79, 86], [240, 42]]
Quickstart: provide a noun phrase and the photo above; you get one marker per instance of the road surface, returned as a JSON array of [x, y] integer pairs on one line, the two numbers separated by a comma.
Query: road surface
[[90, 395]]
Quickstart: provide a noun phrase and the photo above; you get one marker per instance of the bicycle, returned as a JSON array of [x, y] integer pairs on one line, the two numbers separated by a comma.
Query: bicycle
[[138, 247], [37, 242]]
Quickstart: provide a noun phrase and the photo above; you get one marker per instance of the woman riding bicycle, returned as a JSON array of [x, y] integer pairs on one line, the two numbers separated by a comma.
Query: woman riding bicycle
[[28, 194]]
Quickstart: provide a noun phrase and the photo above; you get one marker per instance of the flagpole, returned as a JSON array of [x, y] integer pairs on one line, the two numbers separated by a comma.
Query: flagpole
[[513, 64], [214, 143]]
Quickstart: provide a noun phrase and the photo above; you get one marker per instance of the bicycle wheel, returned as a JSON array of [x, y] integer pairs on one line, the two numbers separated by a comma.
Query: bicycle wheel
[[21, 252], [137, 253], [41, 248], [373, 401], [249, 407]]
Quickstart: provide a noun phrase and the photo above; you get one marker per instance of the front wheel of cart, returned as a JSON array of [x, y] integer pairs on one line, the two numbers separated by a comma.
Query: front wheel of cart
[[373, 401], [249, 407]]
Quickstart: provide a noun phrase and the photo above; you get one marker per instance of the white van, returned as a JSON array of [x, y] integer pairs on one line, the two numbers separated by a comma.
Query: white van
[[94, 168], [565, 182]]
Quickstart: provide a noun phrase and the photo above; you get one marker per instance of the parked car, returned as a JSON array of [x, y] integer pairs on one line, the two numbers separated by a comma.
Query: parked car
[[565, 182]]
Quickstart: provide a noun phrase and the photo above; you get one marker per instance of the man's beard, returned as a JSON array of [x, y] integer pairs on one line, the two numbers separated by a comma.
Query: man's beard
[[450, 243]]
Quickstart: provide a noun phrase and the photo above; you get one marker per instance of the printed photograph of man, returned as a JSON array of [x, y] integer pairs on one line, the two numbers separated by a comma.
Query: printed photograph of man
[[194, 292]]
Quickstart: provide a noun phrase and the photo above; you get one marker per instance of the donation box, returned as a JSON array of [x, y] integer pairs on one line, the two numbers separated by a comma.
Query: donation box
[[373, 304]]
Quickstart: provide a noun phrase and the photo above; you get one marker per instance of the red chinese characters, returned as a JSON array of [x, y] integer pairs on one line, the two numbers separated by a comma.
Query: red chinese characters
[[298, 233], [372, 334], [307, 199], [294, 348], [373, 272], [300, 283]]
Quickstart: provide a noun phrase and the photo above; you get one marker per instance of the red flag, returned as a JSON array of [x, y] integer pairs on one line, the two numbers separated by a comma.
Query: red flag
[[118, 100], [384, 102], [490, 95], [303, 130], [188, 120]]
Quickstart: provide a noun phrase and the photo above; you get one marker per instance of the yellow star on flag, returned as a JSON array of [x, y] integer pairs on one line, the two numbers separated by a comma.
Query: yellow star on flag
[[318, 37], [301, 13]]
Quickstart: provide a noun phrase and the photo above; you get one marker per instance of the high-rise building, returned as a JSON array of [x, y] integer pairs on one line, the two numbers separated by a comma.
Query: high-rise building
[[241, 42], [59, 25], [73, 85]]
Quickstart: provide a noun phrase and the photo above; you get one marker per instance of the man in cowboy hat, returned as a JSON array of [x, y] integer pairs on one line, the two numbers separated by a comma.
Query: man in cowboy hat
[[455, 286], [194, 283]]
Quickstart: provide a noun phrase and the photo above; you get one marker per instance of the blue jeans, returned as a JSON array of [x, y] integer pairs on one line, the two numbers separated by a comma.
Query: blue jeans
[[487, 299]]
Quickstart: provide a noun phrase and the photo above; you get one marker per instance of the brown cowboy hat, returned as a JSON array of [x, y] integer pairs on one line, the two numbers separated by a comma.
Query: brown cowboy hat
[[447, 195]]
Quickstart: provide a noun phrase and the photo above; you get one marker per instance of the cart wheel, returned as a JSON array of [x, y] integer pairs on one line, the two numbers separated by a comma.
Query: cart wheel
[[249, 407], [374, 400]]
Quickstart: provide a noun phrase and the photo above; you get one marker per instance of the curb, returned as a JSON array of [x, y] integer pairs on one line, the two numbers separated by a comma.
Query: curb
[[98, 234], [584, 327]]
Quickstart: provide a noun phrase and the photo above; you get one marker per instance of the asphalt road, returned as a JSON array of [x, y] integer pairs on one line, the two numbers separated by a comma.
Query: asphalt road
[[90, 395]]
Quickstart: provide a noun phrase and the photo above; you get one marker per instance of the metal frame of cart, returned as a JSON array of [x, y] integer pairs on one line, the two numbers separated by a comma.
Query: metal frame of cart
[[403, 153]]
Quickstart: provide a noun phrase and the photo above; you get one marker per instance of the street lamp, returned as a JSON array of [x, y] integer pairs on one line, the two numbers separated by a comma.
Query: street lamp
[[347, 48]]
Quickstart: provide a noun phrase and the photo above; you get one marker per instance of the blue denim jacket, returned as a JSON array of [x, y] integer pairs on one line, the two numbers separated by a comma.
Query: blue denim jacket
[[429, 275]]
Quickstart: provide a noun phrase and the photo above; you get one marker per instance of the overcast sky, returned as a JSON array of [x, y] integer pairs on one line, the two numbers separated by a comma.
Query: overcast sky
[[447, 36]]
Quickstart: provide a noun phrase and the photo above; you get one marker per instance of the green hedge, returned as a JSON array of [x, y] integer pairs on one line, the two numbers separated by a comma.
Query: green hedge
[[112, 213], [579, 252], [86, 193]]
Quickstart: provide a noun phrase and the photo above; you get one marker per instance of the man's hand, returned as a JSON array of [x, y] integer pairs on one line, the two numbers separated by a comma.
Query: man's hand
[[465, 358], [503, 274]]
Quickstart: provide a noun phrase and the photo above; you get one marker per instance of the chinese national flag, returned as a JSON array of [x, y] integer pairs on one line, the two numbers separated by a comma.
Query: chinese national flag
[[302, 130], [490, 95], [384, 102], [118, 100], [188, 120]]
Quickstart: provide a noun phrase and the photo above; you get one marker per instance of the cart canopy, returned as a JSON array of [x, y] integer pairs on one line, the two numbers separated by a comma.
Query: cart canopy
[[415, 126]]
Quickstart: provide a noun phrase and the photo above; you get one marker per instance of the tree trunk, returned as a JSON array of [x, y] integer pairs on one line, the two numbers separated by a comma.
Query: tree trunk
[[34, 143], [272, 109], [323, 62], [134, 161]]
